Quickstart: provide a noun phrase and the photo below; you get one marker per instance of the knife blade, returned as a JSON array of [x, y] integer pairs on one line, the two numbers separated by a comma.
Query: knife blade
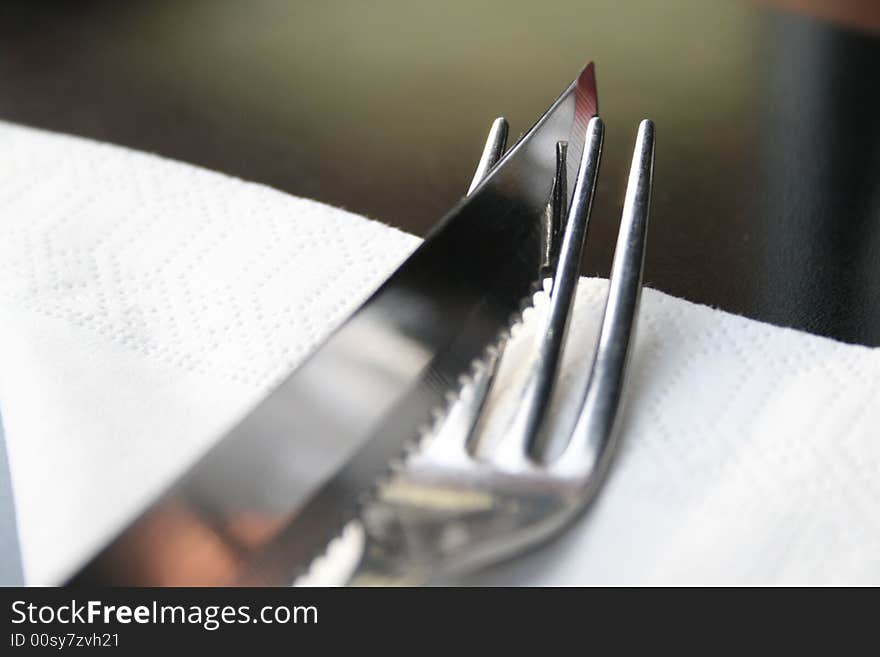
[[270, 494]]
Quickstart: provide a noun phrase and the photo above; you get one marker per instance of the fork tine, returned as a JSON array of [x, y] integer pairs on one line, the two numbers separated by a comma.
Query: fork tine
[[593, 432], [558, 210], [520, 439], [496, 141], [449, 443]]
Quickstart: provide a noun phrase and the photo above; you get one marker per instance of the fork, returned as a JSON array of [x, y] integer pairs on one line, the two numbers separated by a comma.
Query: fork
[[448, 510]]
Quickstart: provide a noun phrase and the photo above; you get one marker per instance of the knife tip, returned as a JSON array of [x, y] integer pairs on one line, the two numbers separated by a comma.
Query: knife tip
[[587, 98]]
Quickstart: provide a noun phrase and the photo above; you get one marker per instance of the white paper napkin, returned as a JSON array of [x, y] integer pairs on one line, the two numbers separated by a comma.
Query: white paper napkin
[[146, 304]]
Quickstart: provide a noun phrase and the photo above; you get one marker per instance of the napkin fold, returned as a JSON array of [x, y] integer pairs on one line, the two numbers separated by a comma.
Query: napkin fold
[[146, 304]]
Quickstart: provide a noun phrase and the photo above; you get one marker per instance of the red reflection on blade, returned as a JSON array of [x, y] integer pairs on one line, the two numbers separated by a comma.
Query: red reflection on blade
[[586, 101]]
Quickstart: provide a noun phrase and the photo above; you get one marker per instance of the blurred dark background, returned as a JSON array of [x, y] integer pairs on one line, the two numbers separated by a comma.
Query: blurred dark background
[[767, 197]]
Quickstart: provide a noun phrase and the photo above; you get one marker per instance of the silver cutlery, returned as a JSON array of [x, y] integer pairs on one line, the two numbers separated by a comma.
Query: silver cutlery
[[446, 509], [265, 500]]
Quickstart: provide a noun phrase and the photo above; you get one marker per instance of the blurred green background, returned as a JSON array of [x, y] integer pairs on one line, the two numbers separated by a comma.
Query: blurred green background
[[389, 100]]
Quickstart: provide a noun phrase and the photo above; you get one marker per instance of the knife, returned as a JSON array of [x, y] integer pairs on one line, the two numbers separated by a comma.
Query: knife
[[260, 504]]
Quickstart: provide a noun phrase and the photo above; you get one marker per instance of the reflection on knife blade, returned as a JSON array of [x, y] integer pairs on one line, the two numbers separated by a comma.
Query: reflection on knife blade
[[271, 493]]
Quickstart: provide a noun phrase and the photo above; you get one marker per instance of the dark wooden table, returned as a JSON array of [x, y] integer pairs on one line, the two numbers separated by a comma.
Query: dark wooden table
[[767, 198]]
